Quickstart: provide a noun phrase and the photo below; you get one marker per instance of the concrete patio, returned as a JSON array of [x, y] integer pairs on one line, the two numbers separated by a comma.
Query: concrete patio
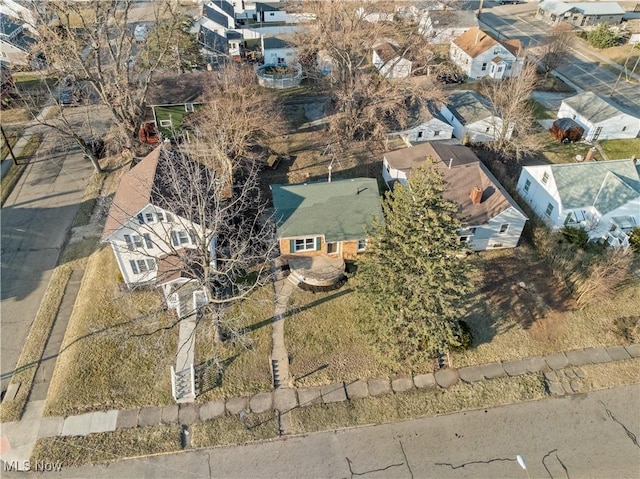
[[316, 270]]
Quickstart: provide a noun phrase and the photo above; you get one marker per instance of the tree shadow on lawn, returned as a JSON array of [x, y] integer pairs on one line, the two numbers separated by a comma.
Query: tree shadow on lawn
[[299, 309], [209, 375]]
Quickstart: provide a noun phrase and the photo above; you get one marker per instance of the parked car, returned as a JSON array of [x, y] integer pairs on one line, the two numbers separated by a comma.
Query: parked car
[[449, 78]]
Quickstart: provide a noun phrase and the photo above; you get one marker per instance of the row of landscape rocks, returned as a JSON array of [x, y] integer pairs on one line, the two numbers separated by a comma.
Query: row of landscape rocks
[[561, 373]]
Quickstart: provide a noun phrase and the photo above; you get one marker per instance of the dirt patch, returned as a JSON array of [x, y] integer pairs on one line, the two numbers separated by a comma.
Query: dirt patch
[[531, 296]]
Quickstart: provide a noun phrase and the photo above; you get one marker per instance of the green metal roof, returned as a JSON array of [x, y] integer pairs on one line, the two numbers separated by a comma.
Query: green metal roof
[[606, 185], [339, 210]]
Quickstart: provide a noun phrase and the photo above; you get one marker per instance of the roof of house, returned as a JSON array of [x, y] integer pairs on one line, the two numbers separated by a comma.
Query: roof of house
[[474, 42], [217, 14], [468, 106], [268, 7], [133, 193], [606, 185], [453, 18], [270, 42], [341, 210], [386, 51], [8, 27], [586, 8], [462, 170], [592, 106], [178, 89]]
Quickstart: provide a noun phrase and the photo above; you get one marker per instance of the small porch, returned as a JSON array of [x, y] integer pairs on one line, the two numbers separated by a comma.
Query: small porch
[[320, 270]]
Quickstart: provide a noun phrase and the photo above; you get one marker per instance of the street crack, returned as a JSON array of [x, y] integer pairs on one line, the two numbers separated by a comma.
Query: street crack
[[353, 473], [631, 435], [460, 466], [566, 471]]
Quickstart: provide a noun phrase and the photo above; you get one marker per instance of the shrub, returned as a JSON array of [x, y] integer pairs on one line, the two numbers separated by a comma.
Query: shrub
[[628, 328], [602, 36], [634, 239], [464, 336], [577, 236]]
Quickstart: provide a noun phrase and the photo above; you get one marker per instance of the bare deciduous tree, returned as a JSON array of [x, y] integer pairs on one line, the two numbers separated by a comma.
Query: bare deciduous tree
[[364, 101], [93, 42], [555, 46], [511, 101]]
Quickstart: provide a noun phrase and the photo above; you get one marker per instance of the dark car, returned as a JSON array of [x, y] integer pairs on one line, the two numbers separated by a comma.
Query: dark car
[[509, 2], [66, 96], [449, 78]]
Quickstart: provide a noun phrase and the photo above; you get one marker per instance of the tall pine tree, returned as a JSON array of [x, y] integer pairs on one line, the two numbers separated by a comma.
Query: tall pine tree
[[412, 281]]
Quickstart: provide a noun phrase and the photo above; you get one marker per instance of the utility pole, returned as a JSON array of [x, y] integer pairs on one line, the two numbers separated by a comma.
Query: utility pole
[[624, 70], [6, 141]]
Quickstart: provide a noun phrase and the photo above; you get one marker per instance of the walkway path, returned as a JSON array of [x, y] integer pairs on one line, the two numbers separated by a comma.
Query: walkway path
[[284, 398]]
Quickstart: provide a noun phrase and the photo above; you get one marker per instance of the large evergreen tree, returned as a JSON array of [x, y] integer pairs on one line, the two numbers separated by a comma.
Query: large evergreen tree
[[412, 280]]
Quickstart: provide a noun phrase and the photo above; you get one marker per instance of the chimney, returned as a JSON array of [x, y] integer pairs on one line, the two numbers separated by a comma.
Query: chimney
[[478, 36], [590, 154], [450, 162], [476, 195]]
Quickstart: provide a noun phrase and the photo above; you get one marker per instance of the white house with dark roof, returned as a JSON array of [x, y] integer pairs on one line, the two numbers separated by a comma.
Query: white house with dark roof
[[601, 118], [429, 127], [491, 218], [601, 197], [472, 117], [148, 237], [442, 26], [278, 50], [580, 14], [388, 59], [15, 41], [478, 55]]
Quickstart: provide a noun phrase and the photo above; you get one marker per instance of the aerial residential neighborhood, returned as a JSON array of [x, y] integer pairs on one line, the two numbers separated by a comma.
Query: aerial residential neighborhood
[[309, 238]]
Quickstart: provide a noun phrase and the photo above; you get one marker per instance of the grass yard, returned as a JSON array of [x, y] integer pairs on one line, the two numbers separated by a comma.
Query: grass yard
[[228, 430], [541, 112], [621, 149], [244, 363], [115, 353], [556, 152], [621, 54], [502, 332], [417, 403], [326, 345], [73, 451]]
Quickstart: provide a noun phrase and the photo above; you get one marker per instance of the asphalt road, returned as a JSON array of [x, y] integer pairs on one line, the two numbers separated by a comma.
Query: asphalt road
[[510, 22], [594, 435], [35, 220]]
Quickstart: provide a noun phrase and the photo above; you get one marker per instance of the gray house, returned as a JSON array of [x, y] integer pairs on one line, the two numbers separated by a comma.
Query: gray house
[[580, 14], [491, 218]]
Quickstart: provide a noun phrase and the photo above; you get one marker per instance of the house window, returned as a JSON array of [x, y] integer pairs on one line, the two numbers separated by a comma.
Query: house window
[[271, 14], [139, 266], [493, 67], [496, 51], [166, 123], [549, 209], [436, 133], [508, 66], [527, 185], [545, 178], [504, 228], [499, 69], [332, 248], [140, 218], [179, 237], [147, 241], [568, 219], [496, 245], [188, 107], [304, 244], [168, 217], [149, 218], [487, 129], [464, 239], [160, 215], [484, 66], [420, 134], [362, 245], [573, 117], [133, 241]]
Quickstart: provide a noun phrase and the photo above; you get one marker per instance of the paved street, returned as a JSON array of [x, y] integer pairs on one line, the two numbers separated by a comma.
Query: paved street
[[35, 220], [594, 435], [518, 22]]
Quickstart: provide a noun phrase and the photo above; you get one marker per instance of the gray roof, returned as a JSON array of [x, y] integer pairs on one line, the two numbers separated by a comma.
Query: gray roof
[[276, 42], [557, 8], [340, 210], [598, 8], [469, 107], [593, 107], [606, 185], [453, 18]]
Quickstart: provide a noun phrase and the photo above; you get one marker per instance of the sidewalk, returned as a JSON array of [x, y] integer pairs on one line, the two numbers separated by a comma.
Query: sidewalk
[[562, 373]]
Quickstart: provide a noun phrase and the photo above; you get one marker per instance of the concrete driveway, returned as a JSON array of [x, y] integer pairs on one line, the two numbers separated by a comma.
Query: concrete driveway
[[35, 221]]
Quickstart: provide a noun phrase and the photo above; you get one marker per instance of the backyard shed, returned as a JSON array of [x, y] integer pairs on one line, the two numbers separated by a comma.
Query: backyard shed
[[566, 130]]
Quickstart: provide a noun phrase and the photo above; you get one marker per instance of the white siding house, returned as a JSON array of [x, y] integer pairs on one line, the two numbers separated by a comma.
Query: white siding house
[[478, 55], [278, 51], [472, 117], [388, 60], [429, 128], [147, 240], [601, 197], [601, 118], [442, 26], [491, 218]]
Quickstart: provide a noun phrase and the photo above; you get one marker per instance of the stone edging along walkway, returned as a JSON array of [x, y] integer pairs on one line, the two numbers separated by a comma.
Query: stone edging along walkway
[[560, 376]]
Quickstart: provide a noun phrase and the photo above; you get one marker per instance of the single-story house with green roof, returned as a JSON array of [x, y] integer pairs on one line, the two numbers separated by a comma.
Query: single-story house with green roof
[[328, 218], [602, 197], [601, 118]]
